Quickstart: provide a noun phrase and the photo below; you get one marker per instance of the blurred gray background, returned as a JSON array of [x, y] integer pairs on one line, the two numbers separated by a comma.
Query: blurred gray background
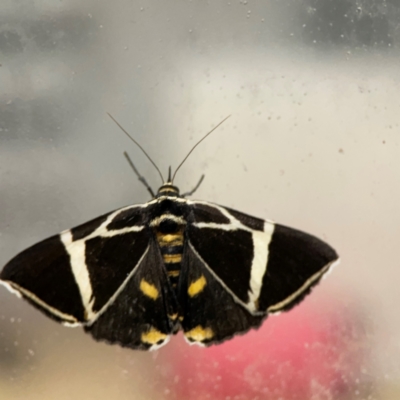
[[313, 142]]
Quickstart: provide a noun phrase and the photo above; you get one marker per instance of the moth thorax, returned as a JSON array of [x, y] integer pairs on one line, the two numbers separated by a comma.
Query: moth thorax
[[168, 190]]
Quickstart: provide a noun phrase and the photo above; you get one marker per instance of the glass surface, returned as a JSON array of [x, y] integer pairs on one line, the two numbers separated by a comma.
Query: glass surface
[[313, 143]]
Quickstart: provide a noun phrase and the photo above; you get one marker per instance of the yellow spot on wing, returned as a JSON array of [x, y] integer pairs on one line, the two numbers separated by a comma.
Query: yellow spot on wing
[[197, 286], [148, 289], [153, 336], [199, 334]]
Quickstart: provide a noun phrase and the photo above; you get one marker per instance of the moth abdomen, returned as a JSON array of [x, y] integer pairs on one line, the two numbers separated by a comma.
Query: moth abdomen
[[169, 231]]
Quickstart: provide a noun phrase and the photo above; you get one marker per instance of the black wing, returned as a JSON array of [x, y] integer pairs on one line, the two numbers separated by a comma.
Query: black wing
[[142, 314], [74, 277], [210, 313], [237, 269]]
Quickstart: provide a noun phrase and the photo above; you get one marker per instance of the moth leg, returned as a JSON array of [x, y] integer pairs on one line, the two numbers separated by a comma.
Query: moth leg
[[195, 188], [140, 177]]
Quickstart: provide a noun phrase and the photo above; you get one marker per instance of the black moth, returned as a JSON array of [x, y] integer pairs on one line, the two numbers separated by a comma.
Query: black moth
[[139, 274]]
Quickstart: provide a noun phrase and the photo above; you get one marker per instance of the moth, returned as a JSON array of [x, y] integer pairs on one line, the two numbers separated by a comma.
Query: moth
[[138, 275]]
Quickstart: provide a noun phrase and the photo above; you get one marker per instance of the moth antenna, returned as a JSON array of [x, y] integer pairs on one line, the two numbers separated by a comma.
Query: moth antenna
[[138, 145], [190, 152]]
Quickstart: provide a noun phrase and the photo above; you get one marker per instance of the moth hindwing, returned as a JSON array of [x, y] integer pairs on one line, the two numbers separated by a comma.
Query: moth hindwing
[[141, 273]]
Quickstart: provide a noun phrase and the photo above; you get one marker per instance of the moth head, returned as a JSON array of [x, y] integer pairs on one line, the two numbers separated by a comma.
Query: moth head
[[167, 189]]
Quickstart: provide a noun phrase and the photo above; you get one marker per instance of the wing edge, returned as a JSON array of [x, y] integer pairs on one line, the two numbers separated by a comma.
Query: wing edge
[[290, 301]]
